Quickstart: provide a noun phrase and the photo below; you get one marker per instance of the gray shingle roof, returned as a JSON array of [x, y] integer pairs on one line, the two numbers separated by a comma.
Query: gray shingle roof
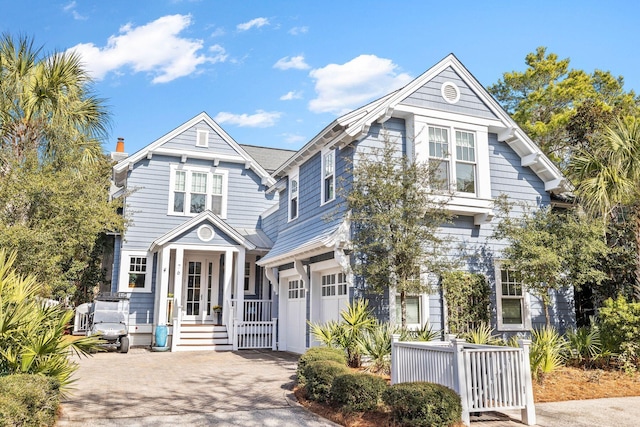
[[269, 158]]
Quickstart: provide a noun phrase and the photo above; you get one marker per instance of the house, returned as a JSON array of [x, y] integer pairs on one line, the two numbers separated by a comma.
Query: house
[[262, 232]]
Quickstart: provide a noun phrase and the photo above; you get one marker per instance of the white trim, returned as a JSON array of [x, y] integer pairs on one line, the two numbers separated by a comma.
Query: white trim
[[189, 170], [155, 147], [294, 176], [525, 298], [251, 260], [332, 152], [202, 134], [125, 262], [454, 87], [201, 230]]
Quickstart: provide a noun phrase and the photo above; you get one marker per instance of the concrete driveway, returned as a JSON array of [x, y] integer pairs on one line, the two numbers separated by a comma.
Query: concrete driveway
[[248, 388]]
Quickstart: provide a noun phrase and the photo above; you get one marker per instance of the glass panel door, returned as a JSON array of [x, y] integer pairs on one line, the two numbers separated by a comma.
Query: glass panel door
[[194, 281]]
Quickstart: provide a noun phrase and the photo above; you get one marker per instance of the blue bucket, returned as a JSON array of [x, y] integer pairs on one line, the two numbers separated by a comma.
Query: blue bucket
[[161, 335]]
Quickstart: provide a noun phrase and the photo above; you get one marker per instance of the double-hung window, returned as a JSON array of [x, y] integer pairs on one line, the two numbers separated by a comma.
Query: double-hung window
[[465, 162], [135, 272], [293, 197], [441, 157], [328, 175], [194, 190], [511, 300]]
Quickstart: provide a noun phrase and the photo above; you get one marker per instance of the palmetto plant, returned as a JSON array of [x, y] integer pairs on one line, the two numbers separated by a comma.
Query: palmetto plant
[[482, 334], [376, 344], [547, 354], [31, 335]]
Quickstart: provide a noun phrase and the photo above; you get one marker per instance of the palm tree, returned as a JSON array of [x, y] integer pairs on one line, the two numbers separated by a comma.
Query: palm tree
[[608, 178], [46, 104]]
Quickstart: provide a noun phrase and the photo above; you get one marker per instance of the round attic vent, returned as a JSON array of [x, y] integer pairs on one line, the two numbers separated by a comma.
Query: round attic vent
[[450, 92], [205, 233]]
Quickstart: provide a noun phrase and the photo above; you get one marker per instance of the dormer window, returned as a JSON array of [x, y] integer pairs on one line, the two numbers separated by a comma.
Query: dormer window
[[293, 197], [202, 138], [328, 175]]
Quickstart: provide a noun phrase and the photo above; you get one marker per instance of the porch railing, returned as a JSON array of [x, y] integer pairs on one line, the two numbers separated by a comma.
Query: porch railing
[[487, 378], [255, 310], [81, 320], [255, 335]]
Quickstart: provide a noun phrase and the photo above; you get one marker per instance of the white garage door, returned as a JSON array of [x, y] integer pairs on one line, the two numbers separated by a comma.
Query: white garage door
[[296, 321], [333, 295]]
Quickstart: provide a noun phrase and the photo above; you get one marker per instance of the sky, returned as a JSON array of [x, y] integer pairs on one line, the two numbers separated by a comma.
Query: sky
[[275, 73]]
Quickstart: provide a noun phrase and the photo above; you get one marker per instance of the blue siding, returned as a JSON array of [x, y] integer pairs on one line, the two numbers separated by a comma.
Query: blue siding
[[147, 205], [429, 96], [115, 272], [187, 141]]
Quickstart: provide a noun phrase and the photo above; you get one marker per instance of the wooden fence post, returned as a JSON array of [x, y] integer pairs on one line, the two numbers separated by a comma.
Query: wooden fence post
[[459, 378], [395, 363], [529, 412]]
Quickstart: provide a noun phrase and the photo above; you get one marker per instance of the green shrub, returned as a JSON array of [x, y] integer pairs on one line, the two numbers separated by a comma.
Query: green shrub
[[358, 392], [28, 400], [319, 378], [585, 346], [547, 352], [319, 353], [423, 404], [620, 331]]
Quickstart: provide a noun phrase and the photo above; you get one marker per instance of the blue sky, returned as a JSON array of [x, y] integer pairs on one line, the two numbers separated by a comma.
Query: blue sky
[[274, 73]]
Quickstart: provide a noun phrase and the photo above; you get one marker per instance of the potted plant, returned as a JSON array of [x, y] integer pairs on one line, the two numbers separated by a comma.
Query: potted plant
[[217, 309]]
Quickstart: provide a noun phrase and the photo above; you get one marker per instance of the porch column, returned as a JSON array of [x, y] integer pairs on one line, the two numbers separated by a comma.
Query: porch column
[[162, 287], [239, 293], [226, 286], [177, 280]]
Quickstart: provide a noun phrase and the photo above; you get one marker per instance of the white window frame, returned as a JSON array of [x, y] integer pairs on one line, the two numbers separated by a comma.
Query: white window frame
[[423, 310], [293, 176], [252, 275], [481, 146], [295, 289], [123, 278], [189, 170], [525, 304], [334, 287], [199, 136], [332, 155]]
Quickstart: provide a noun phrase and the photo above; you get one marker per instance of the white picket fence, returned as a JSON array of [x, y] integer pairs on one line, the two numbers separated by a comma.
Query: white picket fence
[[487, 378]]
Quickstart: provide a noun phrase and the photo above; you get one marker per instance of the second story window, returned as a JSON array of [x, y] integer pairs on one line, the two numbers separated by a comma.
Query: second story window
[[293, 197], [461, 177], [195, 190], [328, 176], [465, 162], [439, 155]]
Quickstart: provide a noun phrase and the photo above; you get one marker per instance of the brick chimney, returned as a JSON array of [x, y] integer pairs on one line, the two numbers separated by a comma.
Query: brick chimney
[[119, 154]]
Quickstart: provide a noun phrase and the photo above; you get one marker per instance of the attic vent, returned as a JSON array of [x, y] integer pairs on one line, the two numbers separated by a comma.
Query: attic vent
[[450, 92], [205, 233], [202, 138]]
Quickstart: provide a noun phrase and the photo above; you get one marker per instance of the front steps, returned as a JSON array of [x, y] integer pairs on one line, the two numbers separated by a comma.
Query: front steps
[[203, 337]]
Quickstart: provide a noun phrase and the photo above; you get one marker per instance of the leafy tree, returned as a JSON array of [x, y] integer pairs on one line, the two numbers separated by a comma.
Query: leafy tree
[[396, 211], [607, 176], [556, 105], [551, 249], [54, 179], [32, 335]]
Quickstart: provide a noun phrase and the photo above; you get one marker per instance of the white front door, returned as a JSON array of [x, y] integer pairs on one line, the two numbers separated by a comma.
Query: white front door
[[200, 290]]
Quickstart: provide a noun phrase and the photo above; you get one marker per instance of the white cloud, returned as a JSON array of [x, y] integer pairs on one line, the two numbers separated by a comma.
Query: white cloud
[[341, 88], [218, 32], [71, 8], [291, 95], [155, 48], [295, 62], [292, 138], [298, 30], [257, 23], [261, 119]]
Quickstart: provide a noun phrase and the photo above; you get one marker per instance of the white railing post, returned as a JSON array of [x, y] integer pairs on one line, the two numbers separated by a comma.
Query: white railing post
[[235, 334], [175, 336], [459, 377], [274, 326], [395, 363], [529, 412]]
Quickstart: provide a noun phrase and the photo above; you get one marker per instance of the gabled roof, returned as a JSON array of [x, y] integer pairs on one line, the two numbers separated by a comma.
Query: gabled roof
[[205, 217], [350, 126], [242, 156]]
